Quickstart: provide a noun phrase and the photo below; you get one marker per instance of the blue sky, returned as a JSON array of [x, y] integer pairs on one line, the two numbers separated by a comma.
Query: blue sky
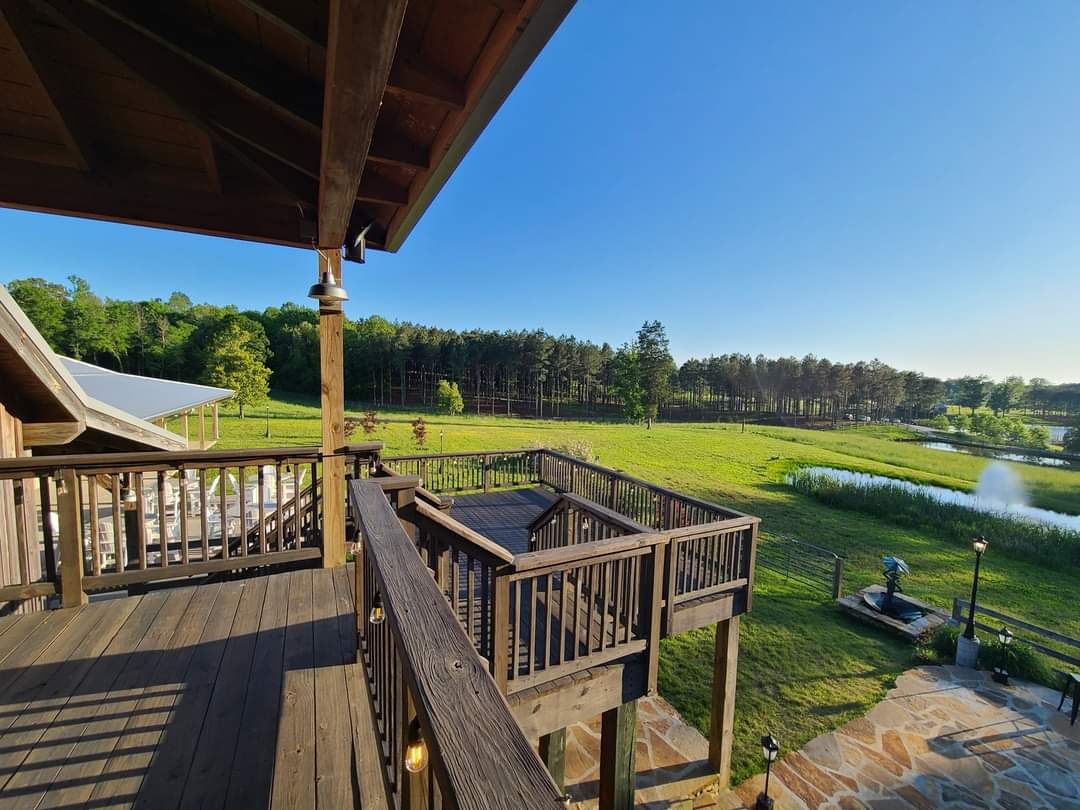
[[855, 180]]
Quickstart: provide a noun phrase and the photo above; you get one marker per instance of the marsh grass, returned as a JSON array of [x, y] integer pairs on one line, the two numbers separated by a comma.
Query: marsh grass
[[958, 524]]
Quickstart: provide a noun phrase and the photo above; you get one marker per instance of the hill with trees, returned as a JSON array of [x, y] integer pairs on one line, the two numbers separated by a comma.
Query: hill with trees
[[528, 372]]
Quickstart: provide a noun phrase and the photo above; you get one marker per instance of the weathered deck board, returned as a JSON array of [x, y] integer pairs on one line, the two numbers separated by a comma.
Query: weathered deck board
[[185, 697], [503, 517]]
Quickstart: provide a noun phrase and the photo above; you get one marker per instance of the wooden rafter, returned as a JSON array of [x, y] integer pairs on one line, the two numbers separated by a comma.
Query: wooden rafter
[[361, 45], [35, 187], [289, 16], [207, 100], [22, 28], [209, 156], [421, 82]]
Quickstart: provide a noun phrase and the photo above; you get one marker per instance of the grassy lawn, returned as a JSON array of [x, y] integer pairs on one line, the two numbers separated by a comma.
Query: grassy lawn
[[804, 668]]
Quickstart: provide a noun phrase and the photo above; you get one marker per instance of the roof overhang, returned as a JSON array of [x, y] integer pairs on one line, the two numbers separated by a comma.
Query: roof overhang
[[297, 124]]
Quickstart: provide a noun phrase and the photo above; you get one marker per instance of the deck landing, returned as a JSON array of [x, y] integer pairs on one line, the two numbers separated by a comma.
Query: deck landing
[[232, 694], [503, 517]]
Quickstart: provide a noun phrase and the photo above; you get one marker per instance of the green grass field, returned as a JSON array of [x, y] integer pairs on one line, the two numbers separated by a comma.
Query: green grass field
[[804, 668]]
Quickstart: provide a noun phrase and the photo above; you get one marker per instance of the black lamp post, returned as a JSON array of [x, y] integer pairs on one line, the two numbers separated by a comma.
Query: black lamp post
[[769, 748], [979, 544], [1001, 674]]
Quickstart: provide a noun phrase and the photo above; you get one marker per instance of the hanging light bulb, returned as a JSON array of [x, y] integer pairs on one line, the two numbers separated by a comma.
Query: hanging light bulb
[[416, 753], [129, 497], [327, 290], [377, 615], [585, 524]]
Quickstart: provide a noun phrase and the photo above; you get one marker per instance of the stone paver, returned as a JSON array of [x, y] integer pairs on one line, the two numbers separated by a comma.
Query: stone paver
[[671, 759], [945, 737]]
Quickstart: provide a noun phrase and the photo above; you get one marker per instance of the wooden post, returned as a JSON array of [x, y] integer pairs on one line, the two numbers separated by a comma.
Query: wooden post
[[553, 753], [500, 632], [71, 548], [487, 473], [184, 427], [652, 593], [331, 364], [617, 757], [725, 669], [202, 427], [216, 426], [837, 577]]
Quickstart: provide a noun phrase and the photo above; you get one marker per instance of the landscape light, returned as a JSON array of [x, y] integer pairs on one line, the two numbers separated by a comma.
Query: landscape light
[[979, 544], [416, 753], [377, 615], [770, 748], [1001, 673]]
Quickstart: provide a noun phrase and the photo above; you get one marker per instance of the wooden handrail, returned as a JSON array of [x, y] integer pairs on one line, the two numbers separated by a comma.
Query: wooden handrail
[[734, 513], [597, 510], [474, 538], [566, 555], [464, 454], [448, 682]]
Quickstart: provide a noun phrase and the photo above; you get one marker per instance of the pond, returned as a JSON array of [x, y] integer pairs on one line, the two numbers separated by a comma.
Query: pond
[[1002, 455], [998, 493]]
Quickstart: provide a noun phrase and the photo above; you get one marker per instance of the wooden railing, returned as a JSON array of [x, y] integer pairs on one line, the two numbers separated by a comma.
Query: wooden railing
[[576, 607], [479, 471], [711, 549], [427, 680], [1032, 634], [112, 520]]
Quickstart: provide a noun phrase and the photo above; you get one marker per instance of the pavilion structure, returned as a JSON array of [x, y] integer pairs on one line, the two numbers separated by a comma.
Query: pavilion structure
[[438, 668]]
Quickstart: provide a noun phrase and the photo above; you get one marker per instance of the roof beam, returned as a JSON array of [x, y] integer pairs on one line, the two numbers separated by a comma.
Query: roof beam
[[422, 83], [22, 28], [361, 44], [223, 55], [36, 187], [209, 100], [289, 16]]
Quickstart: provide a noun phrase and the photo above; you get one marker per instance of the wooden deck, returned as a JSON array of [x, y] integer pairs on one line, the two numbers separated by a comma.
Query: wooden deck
[[503, 517], [232, 694]]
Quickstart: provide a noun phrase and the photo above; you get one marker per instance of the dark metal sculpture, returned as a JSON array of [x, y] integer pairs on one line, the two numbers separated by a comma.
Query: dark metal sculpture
[[895, 568]]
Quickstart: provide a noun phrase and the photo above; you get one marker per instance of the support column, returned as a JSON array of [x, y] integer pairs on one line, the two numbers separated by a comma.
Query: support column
[[202, 427], [553, 753], [617, 757], [332, 368], [216, 430], [722, 723]]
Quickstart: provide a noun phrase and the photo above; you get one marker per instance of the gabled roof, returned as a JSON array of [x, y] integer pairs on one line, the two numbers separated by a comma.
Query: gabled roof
[[37, 387], [145, 397]]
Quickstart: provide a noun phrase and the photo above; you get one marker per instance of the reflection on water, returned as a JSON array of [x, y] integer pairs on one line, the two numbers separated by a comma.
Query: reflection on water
[[953, 496], [1002, 455]]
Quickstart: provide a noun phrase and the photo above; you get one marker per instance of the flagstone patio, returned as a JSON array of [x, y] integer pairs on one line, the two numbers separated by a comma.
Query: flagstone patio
[[945, 737]]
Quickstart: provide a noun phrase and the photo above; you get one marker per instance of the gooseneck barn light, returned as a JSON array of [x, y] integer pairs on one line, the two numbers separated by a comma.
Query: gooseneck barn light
[[327, 290]]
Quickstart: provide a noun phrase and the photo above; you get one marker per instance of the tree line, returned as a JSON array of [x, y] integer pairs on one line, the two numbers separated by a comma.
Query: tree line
[[526, 372]]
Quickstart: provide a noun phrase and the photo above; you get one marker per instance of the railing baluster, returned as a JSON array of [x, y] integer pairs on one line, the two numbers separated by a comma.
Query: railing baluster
[[163, 523], [262, 508], [47, 527], [241, 496], [224, 512], [181, 511], [279, 512], [140, 519], [204, 515], [95, 540]]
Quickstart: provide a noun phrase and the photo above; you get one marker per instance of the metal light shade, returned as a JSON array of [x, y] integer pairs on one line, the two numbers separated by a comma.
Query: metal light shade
[[327, 290], [1005, 636], [979, 544]]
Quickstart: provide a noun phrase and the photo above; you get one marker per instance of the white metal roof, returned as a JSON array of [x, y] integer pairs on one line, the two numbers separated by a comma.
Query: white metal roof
[[145, 397]]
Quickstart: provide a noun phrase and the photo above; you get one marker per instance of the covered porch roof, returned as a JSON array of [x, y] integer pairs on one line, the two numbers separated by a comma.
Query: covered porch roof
[[292, 123]]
